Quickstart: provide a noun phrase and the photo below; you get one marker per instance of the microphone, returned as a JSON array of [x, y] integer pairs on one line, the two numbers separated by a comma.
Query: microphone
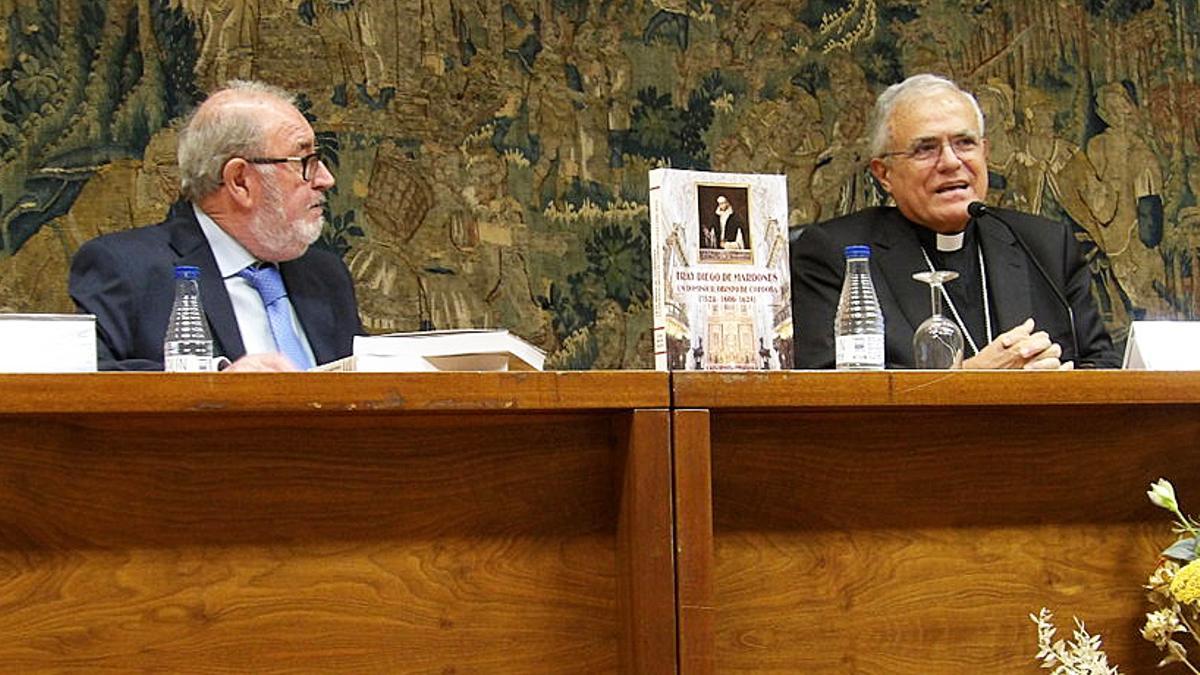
[[978, 209]]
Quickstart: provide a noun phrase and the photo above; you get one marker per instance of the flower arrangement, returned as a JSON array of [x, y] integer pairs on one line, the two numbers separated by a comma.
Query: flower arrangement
[[1173, 589], [1080, 656], [1174, 585]]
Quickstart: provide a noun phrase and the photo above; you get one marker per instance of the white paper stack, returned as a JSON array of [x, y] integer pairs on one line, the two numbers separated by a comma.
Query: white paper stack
[[1163, 345], [47, 343], [428, 351]]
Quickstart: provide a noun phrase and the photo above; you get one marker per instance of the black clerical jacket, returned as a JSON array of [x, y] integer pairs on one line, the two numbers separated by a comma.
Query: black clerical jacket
[[1017, 290]]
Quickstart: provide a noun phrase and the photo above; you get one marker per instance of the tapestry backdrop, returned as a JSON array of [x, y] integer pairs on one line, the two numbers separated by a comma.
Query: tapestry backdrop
[[491, 156]]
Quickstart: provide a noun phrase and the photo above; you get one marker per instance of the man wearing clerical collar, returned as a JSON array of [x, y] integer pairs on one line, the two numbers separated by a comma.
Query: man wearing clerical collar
[[929, 152], [732, 228]]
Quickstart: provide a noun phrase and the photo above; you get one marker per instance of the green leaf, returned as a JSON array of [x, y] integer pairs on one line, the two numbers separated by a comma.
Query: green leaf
[[1183, 550]]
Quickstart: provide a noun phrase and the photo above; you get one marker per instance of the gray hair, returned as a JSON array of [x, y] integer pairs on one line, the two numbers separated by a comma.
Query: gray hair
[[209, 138], [914, 87]]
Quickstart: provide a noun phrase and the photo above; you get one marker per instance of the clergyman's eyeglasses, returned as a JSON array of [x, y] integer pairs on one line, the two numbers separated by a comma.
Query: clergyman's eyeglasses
[[929, 149]]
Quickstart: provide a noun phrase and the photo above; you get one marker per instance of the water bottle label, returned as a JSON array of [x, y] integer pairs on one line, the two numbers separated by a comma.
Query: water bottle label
[[860, 351], [187, 363]]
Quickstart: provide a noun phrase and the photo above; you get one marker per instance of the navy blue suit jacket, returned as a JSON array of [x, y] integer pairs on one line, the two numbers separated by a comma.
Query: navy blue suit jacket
[[127, 279], [1017, 290]]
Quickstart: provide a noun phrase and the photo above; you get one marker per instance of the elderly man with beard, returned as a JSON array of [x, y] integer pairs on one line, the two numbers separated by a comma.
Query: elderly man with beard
[[253, 189]]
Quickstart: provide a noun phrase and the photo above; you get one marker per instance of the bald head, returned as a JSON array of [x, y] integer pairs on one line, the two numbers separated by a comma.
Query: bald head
[[230, 123]]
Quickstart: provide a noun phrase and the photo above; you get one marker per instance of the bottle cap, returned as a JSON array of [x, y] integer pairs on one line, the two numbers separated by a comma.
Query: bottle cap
[[187, 272], [858, 251]]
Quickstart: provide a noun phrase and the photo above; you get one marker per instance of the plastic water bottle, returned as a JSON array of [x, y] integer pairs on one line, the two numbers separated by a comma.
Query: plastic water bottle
[[858, 326], [188, 345]]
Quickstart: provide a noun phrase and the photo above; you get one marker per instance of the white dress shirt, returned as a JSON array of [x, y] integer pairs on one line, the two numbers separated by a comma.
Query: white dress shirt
[[248, 306]]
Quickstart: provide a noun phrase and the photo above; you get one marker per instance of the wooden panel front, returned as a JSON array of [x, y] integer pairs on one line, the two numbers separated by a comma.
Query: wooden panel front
[[918, 541], [645, 557], [690, 439], [442, 542], [909, 522]]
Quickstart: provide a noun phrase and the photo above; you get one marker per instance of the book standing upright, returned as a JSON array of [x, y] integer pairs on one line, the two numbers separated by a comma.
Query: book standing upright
[[722, 290]]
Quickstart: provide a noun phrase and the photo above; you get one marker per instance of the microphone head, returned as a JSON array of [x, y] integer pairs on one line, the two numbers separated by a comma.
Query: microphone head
[[976, 209]]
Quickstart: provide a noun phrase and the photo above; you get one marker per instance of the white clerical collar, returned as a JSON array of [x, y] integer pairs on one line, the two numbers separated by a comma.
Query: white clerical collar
[[949, 243]]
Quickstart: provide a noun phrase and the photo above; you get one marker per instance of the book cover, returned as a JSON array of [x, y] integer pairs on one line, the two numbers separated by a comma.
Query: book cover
[[722, 290]]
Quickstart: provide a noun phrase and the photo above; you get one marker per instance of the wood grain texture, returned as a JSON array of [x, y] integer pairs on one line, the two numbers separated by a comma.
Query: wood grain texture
[[330, 393], [918, 539], [831, 389], [368, 541], [690, 440], [644, 545]]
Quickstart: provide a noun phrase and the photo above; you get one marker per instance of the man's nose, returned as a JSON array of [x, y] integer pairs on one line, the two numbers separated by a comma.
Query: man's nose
[[947, 158], [323, 180]]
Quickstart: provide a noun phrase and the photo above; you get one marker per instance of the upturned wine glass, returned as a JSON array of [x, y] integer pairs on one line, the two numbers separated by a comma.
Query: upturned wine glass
[[938, 342]]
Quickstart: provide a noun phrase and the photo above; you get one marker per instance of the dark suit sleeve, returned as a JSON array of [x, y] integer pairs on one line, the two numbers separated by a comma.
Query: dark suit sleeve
[[1095, 345], [817, 271], [98, 286]]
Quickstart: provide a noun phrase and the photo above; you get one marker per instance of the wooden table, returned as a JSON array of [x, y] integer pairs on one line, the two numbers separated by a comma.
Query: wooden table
[[908, 522], [333, 521], [898, 522]]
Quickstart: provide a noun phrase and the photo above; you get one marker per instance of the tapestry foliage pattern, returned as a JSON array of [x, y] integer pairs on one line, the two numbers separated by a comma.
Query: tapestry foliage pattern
[[492, 157]]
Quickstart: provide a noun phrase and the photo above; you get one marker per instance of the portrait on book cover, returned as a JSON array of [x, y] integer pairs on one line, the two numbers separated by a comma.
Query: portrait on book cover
[[724, 222], [722, 292]]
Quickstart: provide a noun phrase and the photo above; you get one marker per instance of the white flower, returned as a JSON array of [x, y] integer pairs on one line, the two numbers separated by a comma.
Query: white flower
[[1161, 624], [1083, 655], [1162, 494]]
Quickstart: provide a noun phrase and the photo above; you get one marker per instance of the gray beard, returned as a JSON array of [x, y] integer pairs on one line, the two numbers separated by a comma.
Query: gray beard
[[278, 238]]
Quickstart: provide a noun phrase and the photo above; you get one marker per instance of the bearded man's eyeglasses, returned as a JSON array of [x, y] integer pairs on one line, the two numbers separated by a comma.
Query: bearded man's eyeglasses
[[308, 163]]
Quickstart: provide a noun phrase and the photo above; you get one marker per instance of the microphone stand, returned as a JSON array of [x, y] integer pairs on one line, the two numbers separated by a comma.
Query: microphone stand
[[979, 209]]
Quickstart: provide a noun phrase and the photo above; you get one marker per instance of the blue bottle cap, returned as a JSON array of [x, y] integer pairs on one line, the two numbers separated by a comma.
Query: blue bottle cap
[[187, 272], [858, 251]]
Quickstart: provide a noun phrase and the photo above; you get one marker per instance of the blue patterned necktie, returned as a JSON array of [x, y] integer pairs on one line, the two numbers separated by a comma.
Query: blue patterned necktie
[[269, 284]]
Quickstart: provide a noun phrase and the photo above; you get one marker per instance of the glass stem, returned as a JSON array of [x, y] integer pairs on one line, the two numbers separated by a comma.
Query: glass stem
[[935, 298]]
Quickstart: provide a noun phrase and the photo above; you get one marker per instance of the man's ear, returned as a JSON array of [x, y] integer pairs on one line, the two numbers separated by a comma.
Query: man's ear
[[880, 169], [235, 179]]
